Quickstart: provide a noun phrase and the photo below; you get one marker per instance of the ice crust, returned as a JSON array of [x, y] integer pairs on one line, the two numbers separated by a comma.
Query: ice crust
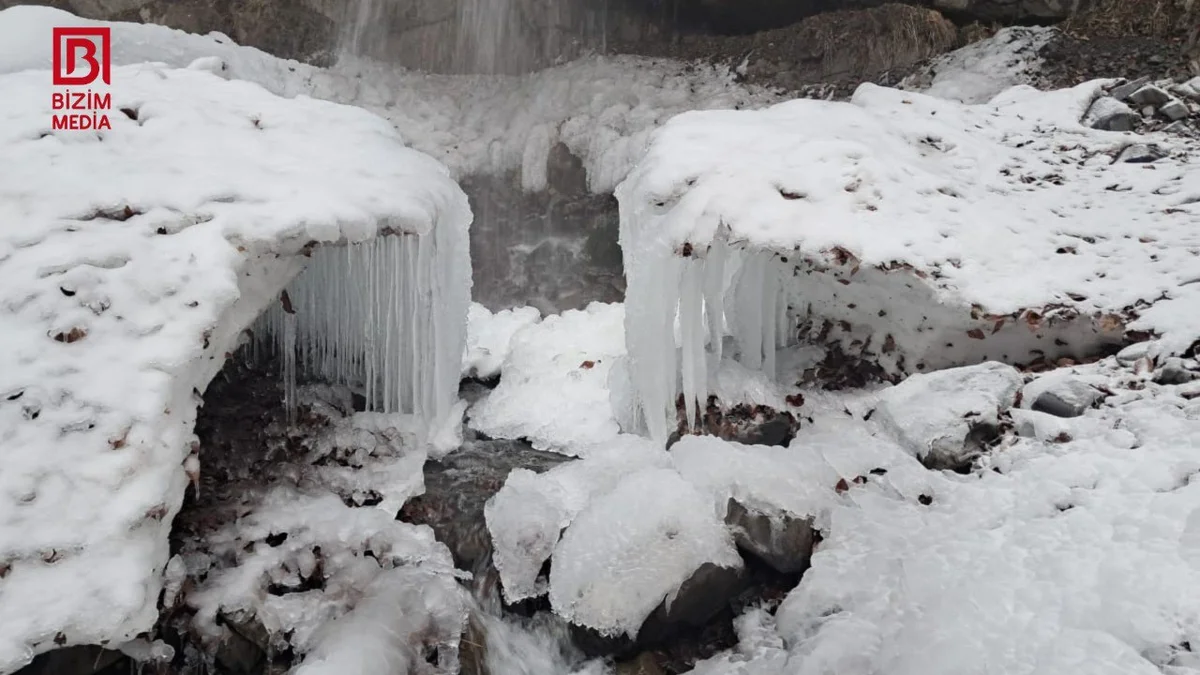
[[130, 263]]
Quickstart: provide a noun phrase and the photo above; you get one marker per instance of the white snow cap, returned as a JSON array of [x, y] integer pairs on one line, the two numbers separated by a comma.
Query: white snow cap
[[130, 261]]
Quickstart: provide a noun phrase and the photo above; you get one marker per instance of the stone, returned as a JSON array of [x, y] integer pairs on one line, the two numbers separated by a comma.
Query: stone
[[949, 418], [1134, 353], [1068, 398], [1175, 110], [1139, 153], [1110, 114], [1175, 370], [1124, 91], [1150, 95], [782, 540], [1192, 88], [644, 664], [708, 591], [77, 660]]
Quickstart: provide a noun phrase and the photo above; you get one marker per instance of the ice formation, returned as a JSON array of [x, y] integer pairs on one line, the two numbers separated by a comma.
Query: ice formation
[[632, 548], [554, 389], [127, 279], [527, 515], [916, 232], [489, 337]]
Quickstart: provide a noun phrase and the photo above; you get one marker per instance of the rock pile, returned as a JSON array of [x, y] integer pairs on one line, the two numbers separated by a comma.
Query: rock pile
[[1141, 105]]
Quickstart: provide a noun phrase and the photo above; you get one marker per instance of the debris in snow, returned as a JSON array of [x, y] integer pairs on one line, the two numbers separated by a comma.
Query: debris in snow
[[151, 275], [946, 419]]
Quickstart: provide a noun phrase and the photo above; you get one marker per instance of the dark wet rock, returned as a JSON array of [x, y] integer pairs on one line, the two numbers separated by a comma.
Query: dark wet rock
[[645, 663], [1067, 398], [745, 424], [699, 599], [243, 648], [79, 660], [458, 486], [473, 650], [783, 541]]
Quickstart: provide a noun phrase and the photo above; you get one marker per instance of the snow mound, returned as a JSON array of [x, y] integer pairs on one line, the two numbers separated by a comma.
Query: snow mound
[[527, 515], [1073, 556], [554, 391], [633, 548], [979, 71], [603, 108], [949, 233], [489, 337], [130, 261]]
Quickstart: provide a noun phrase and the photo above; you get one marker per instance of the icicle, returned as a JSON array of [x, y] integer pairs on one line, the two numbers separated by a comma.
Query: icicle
[[714, 301], [770, 314], [288, 351], [691, 305]]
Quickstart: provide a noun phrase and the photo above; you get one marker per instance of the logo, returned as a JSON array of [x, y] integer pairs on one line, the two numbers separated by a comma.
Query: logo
[[81, 57]]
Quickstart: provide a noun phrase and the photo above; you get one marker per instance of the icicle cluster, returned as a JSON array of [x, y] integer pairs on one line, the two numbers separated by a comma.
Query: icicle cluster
[[678, 311], [386, 317]]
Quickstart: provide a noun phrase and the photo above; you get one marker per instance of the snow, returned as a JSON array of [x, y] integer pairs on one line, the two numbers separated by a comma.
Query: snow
[[527, 515], [554, 388], [489, 336], [979, 71], [990, 220], [603, 108], [96, 423], [632, 548]]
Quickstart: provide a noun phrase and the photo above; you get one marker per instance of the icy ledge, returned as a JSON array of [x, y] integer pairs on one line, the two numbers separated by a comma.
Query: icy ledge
[[911, 232], [130, 263]]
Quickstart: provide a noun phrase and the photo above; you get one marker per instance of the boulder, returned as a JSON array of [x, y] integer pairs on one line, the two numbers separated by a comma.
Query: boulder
[[1110, 114], [948, 418], [1122, 92], [782, 540], [1175, 110], [1150, 95], [1066, 398]]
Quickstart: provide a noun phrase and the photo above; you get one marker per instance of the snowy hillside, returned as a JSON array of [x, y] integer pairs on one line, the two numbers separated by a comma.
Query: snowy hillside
[[130, 262], [928, 232]]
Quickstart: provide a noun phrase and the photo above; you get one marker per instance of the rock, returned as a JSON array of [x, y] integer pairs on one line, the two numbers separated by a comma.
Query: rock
[[1175, 110], [1133, 353], [783, 541], [1110, 114], [1191, 88], [708, 591], [458, 486], [949, 418], [1124, 91], [1150, 95], [1139, 153], [1067, 398], [644, 664], [1175, 370], [77, 660], [473, 649]]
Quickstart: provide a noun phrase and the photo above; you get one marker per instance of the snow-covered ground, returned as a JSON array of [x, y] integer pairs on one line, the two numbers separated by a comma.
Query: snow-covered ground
[[130, 262], [943, 233]]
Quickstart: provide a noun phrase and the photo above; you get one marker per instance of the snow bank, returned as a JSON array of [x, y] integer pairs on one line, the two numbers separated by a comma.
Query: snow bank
[[603, 109], [921, 233], [527, 515], [554, 390], [634, 547], [130, 262]]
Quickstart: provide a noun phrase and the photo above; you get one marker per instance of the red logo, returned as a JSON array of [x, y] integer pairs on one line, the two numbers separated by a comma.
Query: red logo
[[79, 48]]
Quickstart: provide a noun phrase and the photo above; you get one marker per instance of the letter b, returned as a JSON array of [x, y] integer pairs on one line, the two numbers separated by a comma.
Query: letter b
[[75, 45]]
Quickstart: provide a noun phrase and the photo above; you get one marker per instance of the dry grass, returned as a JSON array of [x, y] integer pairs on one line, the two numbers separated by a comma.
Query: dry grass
[[1166, 19]]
